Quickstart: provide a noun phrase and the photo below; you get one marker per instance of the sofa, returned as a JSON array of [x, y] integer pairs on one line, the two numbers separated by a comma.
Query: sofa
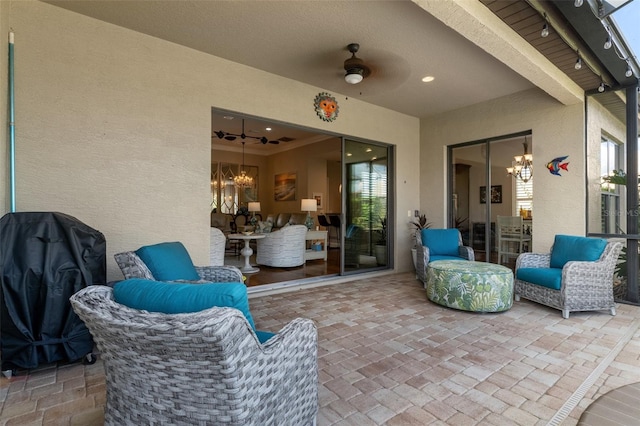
[[281, 219]]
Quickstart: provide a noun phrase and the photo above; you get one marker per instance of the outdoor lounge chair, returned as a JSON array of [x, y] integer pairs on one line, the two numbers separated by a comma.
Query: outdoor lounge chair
[[577, 275]]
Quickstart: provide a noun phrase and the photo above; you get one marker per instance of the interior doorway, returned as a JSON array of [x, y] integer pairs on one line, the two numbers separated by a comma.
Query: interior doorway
[[319, 163], [483, 189]]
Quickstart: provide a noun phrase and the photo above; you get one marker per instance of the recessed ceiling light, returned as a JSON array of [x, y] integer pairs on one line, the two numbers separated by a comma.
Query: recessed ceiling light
[[428, 78], [368, 150], [348, 154], [228, 117], [268, 129]]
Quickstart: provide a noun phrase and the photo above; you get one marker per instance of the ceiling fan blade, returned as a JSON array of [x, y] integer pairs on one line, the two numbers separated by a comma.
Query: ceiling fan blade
[[275, 142]]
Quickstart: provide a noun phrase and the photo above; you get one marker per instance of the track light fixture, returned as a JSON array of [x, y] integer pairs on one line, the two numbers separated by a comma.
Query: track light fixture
[[545, 29], [578, 64]]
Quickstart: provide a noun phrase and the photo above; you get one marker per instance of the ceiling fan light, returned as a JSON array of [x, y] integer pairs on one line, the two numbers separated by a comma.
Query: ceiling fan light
[[353, 76]]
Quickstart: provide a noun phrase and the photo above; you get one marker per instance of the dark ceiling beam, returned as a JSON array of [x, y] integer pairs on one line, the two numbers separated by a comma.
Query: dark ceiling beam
[[560, 24], [593, 31]]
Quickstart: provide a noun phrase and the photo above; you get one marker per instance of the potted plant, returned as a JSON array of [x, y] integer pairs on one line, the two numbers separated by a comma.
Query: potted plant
[[417, 226], [381, 243]]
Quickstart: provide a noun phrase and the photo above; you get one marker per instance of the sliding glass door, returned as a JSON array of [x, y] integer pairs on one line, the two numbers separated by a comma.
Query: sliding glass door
[[366, 236], [481, 189]]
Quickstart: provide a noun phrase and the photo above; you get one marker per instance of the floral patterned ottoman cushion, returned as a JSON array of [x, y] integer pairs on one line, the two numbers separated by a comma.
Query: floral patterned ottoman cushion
[[470, 286]]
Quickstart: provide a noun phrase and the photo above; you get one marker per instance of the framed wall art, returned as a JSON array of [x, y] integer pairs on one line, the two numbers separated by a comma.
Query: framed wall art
[[284, 187], [318, 197], [496, 194]]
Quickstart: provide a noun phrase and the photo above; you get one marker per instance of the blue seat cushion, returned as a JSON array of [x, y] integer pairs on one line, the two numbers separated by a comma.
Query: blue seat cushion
[[567, 248], [441, 242], [168, 262], [434, 258], [175, 298], [546, 277]]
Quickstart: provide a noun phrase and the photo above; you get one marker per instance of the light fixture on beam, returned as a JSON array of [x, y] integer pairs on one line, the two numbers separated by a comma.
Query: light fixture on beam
[[629, 71], [545, 30], [578, 64], [608, 42]]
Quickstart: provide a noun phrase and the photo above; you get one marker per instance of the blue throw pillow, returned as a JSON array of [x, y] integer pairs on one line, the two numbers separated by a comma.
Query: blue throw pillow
[[441, 242], [175, 298], [168, 262], [568, 248]]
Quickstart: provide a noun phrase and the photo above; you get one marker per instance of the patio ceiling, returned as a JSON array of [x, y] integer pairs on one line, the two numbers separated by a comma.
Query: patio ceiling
[[574, 32]]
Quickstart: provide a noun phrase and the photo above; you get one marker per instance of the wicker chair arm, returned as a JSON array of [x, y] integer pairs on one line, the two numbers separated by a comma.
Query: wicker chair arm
[[466, 253], [422, 260], [533, 260], [217, 274], [292, 355], [592, 275]]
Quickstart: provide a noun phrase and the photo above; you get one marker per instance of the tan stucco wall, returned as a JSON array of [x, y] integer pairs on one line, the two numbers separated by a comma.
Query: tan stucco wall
[[557, 130], [114, 128]]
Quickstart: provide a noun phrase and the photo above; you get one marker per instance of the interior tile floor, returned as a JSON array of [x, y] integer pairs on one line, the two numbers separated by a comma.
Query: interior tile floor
[[388, 356]]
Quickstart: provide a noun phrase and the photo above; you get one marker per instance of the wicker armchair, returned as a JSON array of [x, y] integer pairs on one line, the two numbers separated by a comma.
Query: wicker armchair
[[584, 285], [202, 368], [283, 248], [439, 244], [133, 267]]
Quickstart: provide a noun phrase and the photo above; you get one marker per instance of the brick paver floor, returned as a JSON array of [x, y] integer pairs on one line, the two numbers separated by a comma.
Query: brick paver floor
[[387, 356]]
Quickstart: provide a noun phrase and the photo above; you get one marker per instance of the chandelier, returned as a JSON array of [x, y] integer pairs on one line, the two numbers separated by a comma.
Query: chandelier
[[522, 166], [243, 180]]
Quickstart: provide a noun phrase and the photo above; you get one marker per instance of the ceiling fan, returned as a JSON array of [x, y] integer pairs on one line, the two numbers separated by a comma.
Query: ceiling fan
[[356, 69], [233, 136]]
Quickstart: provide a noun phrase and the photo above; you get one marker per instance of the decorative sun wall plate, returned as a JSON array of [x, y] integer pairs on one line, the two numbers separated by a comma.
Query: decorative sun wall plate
[[326, 106]]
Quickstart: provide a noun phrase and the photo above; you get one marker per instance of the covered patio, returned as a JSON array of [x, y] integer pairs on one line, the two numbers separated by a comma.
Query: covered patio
[[387, 356]]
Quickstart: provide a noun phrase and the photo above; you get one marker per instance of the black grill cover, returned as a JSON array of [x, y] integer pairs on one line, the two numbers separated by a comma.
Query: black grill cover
[[45, 257]]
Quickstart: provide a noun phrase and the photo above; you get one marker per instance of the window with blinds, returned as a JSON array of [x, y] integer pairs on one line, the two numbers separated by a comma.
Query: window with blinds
[[610, 160], [524, 195]]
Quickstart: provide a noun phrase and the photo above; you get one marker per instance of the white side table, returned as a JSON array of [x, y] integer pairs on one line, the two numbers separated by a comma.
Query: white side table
[[316, 254], [247, 251]]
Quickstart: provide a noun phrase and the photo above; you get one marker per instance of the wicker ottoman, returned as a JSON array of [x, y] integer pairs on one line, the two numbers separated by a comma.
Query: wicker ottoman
[[470, 286]]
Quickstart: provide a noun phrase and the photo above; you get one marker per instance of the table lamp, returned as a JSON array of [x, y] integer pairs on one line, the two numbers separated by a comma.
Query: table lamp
[[254, 206], [309, 205]]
